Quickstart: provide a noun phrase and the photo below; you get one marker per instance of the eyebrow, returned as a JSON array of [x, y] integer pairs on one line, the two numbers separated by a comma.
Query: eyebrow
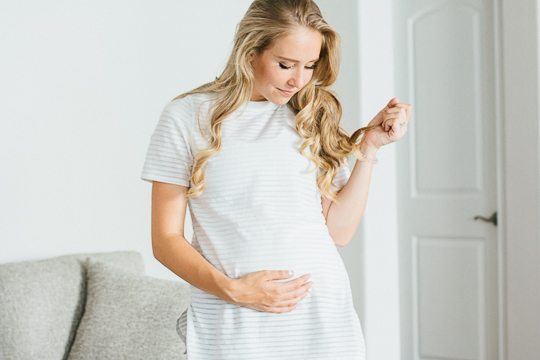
[[292, 60]]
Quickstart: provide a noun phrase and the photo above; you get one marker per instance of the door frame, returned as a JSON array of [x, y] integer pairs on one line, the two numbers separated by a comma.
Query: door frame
[[518, 170]]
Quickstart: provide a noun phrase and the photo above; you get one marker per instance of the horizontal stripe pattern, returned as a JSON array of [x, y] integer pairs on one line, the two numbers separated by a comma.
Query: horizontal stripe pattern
[[261, 210]]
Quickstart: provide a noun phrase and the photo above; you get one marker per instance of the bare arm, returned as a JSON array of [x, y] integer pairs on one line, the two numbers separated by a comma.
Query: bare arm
[[170, 248], [343, 218]]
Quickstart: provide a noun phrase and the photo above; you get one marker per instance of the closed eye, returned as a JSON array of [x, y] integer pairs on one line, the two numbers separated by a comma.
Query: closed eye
[[290, 67]]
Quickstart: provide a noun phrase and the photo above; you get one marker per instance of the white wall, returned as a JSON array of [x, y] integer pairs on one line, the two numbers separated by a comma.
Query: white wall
[[82, 87], [376, 27]]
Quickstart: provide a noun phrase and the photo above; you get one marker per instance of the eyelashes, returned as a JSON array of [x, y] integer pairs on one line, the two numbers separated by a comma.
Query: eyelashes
[[289, 67]]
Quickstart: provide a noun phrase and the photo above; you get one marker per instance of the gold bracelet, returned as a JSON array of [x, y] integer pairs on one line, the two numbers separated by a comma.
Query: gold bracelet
[[360, 156]]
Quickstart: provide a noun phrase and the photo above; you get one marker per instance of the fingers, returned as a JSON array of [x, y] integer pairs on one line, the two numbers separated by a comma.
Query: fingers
[[281, 309], [395, 106], [391, 104], [296, 283], [406, 107], [292, 303], [394, 123], [399, 107], [290, 300], [265, 290], [287, 294], [276, 274], [393, 110], [394, 113], [283, 274], [393, 101], [393, 119], [290, 285], [296, 293]]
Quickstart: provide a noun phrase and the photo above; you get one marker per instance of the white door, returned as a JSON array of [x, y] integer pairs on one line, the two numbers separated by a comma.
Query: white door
[[445, 66]]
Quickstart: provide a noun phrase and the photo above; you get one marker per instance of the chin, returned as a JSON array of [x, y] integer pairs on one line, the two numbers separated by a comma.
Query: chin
[[278, 98], [280, 101]]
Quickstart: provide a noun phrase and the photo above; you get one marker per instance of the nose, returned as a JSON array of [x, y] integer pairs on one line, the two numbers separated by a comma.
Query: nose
[[298, 79]]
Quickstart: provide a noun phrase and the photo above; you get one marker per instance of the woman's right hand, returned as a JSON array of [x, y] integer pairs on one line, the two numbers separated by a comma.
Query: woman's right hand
[[258, 291]]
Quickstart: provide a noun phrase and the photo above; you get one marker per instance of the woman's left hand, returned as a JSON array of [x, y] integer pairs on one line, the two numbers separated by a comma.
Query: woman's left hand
[[392, 121]]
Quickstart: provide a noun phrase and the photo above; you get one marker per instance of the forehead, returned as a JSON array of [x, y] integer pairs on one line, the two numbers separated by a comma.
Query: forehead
[[302, 44]]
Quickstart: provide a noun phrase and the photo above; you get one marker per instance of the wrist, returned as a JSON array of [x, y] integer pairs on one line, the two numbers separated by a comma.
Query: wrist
[[229, 289], [365, 152], [367, 149]]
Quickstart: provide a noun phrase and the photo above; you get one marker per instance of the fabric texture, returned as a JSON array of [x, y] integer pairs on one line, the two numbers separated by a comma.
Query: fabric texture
[[41, 302], [129, 316], [260, 210]]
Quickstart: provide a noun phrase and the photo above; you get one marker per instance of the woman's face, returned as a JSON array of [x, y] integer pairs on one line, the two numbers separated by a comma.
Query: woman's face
[[286, 66]]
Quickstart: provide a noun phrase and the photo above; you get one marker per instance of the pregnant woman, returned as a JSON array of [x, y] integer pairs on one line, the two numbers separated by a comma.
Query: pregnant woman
[[261, 159]]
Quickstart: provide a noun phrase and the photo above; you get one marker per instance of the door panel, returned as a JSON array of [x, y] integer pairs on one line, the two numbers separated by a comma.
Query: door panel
[[447, 176]]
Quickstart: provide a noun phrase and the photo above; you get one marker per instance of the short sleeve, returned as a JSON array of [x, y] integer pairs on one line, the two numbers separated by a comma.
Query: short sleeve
[[342, 176], [169, 155]]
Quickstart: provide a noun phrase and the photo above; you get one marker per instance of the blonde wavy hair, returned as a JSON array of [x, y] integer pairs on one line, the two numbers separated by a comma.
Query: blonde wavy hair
[[316, 107]]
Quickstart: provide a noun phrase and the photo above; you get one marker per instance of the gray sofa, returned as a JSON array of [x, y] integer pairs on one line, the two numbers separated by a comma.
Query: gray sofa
[[89, 306]]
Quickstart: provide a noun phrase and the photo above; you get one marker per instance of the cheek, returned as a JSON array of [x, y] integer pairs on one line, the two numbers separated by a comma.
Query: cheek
[[274, 76], [277, 77]]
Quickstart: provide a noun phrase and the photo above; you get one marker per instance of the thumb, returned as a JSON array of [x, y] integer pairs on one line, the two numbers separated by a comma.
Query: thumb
[[393, 101]]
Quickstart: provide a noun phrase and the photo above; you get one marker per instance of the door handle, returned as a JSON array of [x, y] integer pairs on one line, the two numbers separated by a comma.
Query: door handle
[[492, 219]]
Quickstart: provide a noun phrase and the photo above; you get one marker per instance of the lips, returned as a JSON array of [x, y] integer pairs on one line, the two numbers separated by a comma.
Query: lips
[[286, 93]]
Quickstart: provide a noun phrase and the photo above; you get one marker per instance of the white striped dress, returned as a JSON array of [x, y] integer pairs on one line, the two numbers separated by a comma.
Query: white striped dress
[[261, 210]]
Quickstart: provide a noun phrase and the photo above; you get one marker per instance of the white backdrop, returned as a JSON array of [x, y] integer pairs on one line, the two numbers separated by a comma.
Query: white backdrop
[[82, 87]]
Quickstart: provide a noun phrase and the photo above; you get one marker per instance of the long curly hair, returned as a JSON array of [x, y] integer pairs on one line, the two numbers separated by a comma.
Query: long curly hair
[[316, 107]]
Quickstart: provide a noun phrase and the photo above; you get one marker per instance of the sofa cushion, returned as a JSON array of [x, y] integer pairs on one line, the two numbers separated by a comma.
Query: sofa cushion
[[41, 302], [129, 316]]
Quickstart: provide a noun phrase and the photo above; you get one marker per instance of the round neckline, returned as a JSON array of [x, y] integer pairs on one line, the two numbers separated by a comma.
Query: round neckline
[[261, 105]]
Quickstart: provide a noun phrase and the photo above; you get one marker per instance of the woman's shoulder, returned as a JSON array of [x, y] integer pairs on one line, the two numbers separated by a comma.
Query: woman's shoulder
[[189, 112], [187, 106]]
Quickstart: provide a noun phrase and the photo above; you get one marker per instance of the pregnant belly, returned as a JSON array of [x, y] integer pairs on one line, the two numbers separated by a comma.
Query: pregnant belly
[[304, 249]]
